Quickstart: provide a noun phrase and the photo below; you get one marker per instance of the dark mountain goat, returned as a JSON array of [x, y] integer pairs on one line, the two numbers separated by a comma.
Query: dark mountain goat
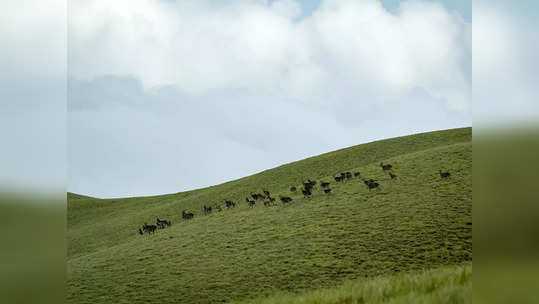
[[444, 174], [285, 199], [306, 192], [187, 215], [386, 167], [371, 184], [162, 223]]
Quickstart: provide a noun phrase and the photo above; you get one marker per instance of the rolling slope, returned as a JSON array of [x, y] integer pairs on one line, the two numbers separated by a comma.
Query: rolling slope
[[418, 221]]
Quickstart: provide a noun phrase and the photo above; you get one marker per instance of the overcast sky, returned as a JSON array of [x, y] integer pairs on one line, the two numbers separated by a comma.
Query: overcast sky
[[175, 95]]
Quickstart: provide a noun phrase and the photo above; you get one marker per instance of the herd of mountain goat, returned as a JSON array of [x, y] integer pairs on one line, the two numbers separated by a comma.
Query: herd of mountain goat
[[268, 200]]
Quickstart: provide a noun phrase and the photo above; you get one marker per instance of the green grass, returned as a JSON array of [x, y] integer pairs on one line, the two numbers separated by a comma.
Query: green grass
[[74, 196], [450, 284], [415, 222]]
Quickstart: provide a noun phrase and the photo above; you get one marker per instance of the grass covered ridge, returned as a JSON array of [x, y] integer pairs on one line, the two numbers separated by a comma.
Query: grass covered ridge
[[451, 284], [415, 222]]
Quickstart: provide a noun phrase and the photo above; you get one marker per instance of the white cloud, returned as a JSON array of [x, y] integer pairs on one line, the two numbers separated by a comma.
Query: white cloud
[[200, 92], [33, 95], [505, 63], [345, 50], [124, 140]]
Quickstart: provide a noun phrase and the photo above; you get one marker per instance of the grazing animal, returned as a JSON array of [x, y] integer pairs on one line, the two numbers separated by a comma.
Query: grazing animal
[[306, 192], [266, 192], [309, 185], [251, 204], [149, 228], [368, 181], [285, 199], [356, 174], [393, 176], [326, 191], [162, 223], [386, 167], [254, 196], [207, 210], [140, 231], [230, 204], [371, 184], [348, 175], [337, 178], [444, 174], [187, 215], [293, 189], [324, 184], [343, 176]]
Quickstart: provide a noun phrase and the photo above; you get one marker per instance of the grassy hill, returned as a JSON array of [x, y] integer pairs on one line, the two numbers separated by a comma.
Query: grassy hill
[[450, 284], [74, 196], [415, 222]]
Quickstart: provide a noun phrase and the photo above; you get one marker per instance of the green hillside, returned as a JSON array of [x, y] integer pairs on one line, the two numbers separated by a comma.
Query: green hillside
[[414, 222], [450, 284], [74, 196]]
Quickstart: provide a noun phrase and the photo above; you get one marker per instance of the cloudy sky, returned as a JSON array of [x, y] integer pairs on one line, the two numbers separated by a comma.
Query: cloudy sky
[[165, 96], [174, 95]]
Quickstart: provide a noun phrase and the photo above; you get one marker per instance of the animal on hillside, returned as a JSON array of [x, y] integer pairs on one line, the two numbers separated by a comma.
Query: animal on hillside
[[371, 184], [285, 199], [348, 175], [162, 223], [337, 178], [251, 204], [140, 231], [392, 175], [230, 204], [293, 189], [386, 167], [207, 210], [309, 184], [327, 190], [187, 215], [356, 174], [149, 228], [343, 176], [266, 192], [367, 181], [306, 192], [444, 174], [324, 184]]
